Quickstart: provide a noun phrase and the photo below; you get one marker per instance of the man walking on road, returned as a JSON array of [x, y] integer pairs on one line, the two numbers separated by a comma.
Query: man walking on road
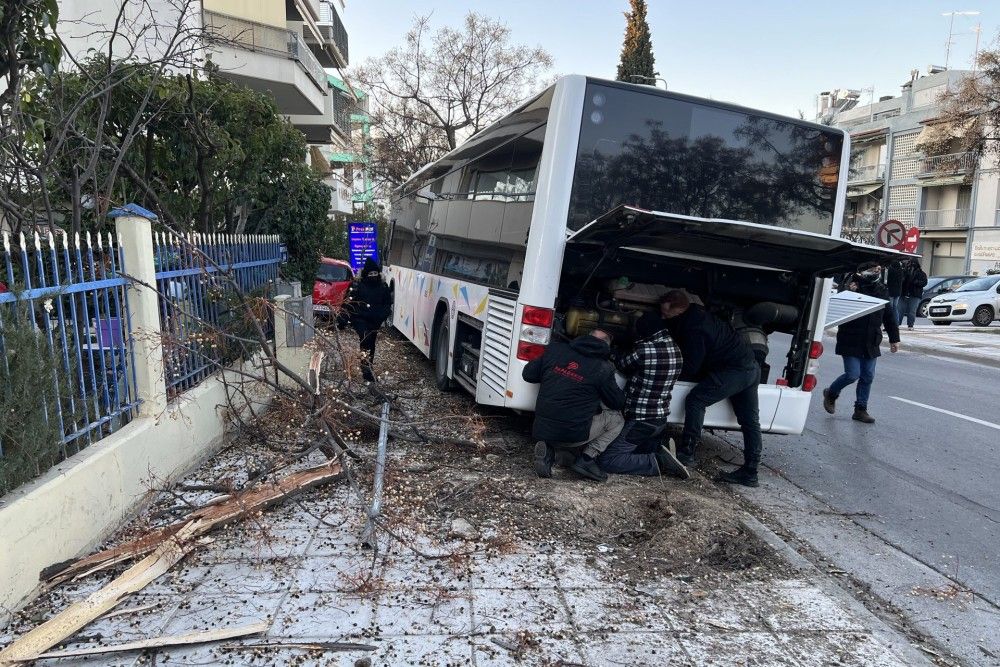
[[913, 284], [578, 403], [652, 368], [858, 343], [721, 361], [366, 308]]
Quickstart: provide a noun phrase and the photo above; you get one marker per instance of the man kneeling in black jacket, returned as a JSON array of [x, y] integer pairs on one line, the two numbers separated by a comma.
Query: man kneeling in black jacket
[[576, 378]]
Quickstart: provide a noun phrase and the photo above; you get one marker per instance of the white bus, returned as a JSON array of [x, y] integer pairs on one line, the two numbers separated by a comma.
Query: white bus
[[585, 204]]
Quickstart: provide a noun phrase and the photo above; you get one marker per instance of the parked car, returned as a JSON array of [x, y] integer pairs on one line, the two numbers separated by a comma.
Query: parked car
[[977, 301], [333, 279], [939, 285]]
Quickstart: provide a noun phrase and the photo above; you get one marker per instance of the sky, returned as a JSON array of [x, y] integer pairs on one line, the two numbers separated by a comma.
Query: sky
[[774, 55]]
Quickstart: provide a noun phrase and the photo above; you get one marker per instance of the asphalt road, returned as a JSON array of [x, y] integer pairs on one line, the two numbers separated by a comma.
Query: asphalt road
[[925, 477]]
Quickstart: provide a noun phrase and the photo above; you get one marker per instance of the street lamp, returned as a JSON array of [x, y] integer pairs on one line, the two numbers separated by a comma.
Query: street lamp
[[638, 78], [951, 27]]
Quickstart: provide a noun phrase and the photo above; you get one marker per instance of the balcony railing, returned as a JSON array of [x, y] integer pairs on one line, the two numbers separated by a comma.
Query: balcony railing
[[866, 172], [333, 29], [342, 110], [862, 221], [943, 165], [264, 38], [944, 218]]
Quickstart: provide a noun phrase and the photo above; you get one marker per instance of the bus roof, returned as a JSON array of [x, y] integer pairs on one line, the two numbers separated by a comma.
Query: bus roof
[[639, 88]]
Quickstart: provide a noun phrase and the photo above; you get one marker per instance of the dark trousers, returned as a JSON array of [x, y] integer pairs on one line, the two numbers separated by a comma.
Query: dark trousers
[[631, 453], [367, 337], [739, 385]]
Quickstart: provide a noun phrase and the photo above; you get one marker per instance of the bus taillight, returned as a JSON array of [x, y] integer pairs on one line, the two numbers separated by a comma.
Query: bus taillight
[[809, 382], [539, 317], [536, 332], [816, 350], [528, 351]]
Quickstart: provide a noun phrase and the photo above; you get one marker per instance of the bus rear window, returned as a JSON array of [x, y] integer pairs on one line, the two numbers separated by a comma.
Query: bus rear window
[[680, 156]]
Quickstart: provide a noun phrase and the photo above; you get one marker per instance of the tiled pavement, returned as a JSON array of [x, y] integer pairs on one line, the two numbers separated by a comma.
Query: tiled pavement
[[535, 606]]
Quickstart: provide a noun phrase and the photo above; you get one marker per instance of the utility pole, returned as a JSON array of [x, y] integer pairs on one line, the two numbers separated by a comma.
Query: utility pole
[[975, 56], [951, 28]]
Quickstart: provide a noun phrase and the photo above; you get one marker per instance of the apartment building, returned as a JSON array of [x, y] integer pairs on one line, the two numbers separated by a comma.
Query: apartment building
[[283, 48], [899, 171]]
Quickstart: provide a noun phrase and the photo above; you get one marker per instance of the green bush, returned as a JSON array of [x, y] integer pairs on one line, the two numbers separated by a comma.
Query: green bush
[[32, 383]]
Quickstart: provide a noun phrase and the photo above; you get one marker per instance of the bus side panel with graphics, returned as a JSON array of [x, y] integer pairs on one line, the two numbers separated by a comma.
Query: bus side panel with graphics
[[580, 207]]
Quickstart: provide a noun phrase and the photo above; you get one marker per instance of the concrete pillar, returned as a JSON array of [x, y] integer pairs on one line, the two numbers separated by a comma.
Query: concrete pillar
[[135, 232]]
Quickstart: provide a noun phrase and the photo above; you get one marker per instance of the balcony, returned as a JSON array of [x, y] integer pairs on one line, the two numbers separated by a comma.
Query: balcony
[[336, 117], [951, 164], [862, 221], [949, 218], [333, 50], [268, 59], [866, 173]]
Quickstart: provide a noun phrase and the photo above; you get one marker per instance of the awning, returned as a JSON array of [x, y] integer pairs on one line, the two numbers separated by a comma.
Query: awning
[[726, 242], [870, 135], [863, 190]]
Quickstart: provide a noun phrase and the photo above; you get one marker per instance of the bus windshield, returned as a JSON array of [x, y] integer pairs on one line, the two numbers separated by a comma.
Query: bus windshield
[[675, 155]]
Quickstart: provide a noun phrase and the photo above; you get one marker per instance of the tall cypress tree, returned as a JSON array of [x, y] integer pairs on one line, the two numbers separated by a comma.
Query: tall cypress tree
[[637, 50]]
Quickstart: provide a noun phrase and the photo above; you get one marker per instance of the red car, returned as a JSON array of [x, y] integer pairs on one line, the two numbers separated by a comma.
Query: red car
[[332, 282]]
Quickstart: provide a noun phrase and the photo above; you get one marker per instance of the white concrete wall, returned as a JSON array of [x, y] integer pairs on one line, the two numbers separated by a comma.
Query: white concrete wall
[[74, 506]]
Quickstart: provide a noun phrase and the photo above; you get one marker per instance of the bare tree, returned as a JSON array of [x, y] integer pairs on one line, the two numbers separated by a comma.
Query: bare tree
[[974, 109], [441, 87]]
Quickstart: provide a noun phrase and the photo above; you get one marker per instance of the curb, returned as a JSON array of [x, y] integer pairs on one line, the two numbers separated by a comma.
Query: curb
[[930, 351], [899, 643]]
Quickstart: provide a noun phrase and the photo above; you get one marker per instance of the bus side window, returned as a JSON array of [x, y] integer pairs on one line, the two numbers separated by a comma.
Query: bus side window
[[521, 183]]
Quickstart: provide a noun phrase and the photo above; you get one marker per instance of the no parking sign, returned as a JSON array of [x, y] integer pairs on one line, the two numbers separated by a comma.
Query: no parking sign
[[891, 234]]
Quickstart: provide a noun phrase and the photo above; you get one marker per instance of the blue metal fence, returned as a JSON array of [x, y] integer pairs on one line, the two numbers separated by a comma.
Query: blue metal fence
[[195, 277], [72, 295]]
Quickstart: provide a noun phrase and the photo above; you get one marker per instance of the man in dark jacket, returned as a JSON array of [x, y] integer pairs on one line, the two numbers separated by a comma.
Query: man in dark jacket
[[366, 307], [719, 359], [913, 284], [894, 283], [858, 343], [576, 379], [652, 368]]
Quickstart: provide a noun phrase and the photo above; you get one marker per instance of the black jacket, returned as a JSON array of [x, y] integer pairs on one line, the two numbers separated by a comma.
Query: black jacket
[[576, 378], [369, 302], [914, 281], [894, 279], [862, 337], [708, 344]]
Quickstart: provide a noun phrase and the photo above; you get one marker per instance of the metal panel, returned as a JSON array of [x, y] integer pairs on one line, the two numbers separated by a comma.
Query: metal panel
[[299, 323], [847, 306], [498, 335]]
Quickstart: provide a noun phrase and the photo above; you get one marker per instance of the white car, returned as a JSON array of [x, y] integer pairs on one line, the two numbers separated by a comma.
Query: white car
[[977, 301]]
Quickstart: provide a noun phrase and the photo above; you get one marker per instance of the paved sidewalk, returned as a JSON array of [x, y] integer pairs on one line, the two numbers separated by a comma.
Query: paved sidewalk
[[975, 344], [558, 571]]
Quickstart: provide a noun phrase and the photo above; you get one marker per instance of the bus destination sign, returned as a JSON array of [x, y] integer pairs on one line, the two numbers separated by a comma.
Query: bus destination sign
[[362, 243]]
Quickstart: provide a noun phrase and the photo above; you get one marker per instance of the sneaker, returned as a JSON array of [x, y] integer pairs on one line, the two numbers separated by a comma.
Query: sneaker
[[669, 465], [544, 456], [741, 476], [829, 401], [588, 468], [861, 415]]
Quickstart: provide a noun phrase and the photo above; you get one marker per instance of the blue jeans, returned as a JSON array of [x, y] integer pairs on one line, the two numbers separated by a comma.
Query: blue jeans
[[631, 453], [894, 300], [860, 370], [908, 309]]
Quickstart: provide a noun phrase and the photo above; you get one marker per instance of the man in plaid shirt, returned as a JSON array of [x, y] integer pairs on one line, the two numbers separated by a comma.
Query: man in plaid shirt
[[652, 369]]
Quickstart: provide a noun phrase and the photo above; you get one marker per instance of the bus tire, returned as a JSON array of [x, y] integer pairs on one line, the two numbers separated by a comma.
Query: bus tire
[[442, 337]]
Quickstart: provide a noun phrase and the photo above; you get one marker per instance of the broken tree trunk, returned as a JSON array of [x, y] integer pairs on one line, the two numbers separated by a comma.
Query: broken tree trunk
[[173, 547], [72, 619], [211, 516]]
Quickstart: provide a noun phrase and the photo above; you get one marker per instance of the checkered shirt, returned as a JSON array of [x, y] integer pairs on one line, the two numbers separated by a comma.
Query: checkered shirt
[[652, 368]]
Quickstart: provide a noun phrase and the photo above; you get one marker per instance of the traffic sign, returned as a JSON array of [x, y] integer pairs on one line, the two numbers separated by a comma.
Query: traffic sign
[[912, 239], [891, 234]]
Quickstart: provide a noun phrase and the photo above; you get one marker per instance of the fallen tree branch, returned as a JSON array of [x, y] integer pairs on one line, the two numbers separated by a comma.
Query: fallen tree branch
[[158, 642], [235, 507]]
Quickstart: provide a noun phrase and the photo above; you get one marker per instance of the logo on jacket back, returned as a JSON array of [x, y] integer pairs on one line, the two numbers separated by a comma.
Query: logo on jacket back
[[569, 371]]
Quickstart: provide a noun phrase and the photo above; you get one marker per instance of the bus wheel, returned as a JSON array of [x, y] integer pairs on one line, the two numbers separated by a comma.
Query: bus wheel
[[442, 340]]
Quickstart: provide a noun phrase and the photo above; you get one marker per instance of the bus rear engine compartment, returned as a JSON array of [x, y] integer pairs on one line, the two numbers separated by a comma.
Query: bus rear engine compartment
[[756, 302]]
